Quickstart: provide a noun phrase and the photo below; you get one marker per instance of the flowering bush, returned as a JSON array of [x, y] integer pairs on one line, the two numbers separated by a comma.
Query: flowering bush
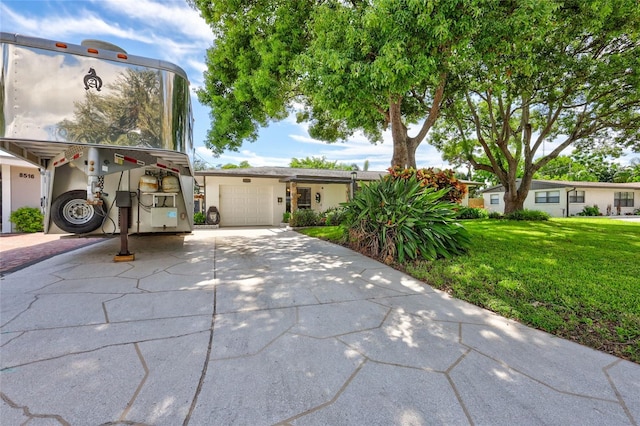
[[432, 178]]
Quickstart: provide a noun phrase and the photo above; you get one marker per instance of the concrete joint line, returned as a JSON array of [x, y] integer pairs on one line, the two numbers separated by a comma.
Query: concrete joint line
[[205, 367], [21, 333], [452, 384], [104, 307], [45, 286], [507, 366], [35, 299], [621, 400], [140, 385], [88, 351], [29, 414], [344, 386]]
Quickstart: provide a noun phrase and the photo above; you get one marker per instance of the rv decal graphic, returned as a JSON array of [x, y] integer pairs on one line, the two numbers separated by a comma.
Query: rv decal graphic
[[92, 80]]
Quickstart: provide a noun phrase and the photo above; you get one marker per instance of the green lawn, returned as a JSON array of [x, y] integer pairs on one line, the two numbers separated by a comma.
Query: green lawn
[[576, 278]]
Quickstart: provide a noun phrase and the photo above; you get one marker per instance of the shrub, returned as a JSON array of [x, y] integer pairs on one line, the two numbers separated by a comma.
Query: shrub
[[27, 219], [304, 217], [334, 216], [199, 218], [396, 219], [495, 215], [525, 214], [590, 211], [435, 179], [286, 216], [472, 213]]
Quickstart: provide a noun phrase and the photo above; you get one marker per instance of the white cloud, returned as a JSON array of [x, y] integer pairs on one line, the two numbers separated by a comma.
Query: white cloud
[[254, 159], [173, 15]]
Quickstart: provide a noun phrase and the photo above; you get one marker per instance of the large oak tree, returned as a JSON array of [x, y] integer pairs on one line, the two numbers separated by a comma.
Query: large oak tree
[[561, 74], [342, 66]]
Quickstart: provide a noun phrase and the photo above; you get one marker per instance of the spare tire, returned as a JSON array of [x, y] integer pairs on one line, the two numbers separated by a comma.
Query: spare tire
[[213, 216], [71, 213]]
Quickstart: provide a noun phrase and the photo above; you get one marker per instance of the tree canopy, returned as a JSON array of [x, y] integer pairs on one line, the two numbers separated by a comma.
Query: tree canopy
[[563, 73], [501, 79], [343, 66], [320, 163]]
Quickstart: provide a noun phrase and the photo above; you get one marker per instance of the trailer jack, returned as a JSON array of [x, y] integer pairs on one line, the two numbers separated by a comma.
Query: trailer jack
[[123, 202]]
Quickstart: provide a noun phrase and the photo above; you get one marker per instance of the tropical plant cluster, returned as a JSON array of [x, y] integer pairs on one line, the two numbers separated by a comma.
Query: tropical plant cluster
[[590, 211], [399, 218], [27, 219]]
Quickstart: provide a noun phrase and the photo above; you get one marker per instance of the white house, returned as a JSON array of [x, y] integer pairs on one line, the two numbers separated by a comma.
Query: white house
[[567, 198], [261, 195], [20, 187]]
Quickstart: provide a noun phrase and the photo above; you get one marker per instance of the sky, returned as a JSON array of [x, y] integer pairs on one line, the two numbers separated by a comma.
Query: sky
[[172, 31]]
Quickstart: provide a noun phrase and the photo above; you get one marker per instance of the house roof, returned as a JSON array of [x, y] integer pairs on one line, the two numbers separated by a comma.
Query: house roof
[[550, 184], [290, 174]]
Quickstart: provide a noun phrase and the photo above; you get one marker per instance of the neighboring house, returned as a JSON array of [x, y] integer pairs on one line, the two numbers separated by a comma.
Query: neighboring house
[[20, 188], [568, 198], [261, 195]]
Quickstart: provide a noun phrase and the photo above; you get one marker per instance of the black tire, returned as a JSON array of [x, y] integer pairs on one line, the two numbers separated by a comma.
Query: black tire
[[71, 213]]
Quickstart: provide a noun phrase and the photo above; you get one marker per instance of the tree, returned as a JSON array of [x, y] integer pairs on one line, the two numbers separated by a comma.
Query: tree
[[564, 167], [130, 115], [320, 163], [563, 72], [242, 165], [200, 164], [351, 65]]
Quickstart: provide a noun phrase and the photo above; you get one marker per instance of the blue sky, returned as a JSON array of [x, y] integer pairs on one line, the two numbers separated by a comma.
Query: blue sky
[[172, 31]]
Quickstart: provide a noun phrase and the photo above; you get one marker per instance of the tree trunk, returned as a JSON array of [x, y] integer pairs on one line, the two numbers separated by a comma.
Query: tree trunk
[[513, 203], [514, 196], [401, 155]]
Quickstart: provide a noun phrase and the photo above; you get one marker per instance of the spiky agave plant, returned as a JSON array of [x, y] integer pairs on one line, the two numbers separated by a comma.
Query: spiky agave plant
[[396, 219]]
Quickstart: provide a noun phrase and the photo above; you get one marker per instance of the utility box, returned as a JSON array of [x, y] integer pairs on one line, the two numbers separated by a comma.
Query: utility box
[[164, 217]]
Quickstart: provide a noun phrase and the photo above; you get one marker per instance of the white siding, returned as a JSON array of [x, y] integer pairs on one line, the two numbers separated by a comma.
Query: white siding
[[331, 195], [20, 188], [602, 197]]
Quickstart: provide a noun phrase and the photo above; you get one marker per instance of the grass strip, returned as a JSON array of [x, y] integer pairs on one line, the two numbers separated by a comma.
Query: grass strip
[[577, 278]]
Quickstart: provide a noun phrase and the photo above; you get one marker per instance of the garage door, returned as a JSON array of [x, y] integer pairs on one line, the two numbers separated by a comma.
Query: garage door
[[246, 205]]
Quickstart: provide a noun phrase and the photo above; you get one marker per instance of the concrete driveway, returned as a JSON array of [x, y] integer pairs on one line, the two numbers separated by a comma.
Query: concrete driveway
[[266, 326]]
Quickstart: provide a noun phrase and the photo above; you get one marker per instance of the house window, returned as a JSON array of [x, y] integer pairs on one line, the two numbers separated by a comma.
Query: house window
[[576, 196], [623, 199], [546, 197], [495, 199], [304, 198]]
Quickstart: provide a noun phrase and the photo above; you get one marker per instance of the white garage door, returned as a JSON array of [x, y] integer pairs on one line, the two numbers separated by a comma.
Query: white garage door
[[246, 205]]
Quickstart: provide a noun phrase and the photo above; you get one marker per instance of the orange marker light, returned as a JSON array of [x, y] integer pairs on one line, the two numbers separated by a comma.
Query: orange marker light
[[93, 51], [62, 45], [122, 56]]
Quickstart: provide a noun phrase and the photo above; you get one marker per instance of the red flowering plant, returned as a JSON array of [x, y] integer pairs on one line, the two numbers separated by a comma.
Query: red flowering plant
[[432, 178]]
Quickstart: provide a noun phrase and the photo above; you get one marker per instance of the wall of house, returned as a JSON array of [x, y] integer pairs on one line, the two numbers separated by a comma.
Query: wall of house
[[602, 197], [331, 195], [554, 209], [277, 189], [558, 209], [20, 188]]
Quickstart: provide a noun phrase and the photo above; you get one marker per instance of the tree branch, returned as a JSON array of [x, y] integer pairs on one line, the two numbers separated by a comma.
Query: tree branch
[[433, 111]]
